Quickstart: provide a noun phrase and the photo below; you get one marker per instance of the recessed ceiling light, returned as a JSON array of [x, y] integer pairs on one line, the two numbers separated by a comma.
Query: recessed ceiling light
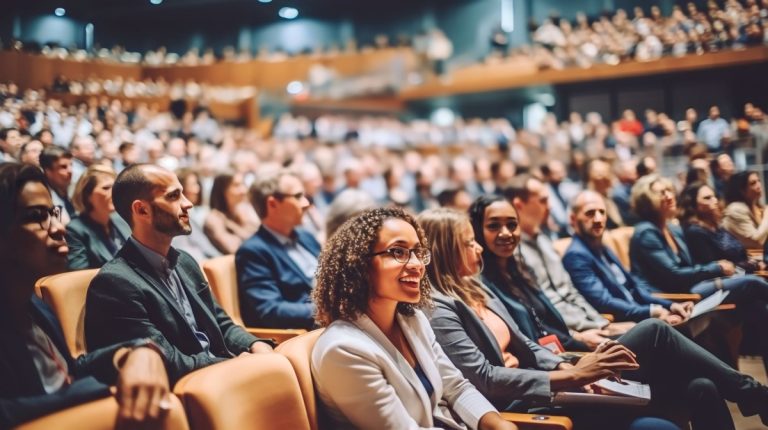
[[59, 11], [265, 1], [288, 12], [155, 1]]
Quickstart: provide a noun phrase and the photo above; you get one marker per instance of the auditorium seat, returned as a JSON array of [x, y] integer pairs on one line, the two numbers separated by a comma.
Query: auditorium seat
[[65, 293], [252, 392], [618, 241], [298, 350], [222, 277], [102, 415]]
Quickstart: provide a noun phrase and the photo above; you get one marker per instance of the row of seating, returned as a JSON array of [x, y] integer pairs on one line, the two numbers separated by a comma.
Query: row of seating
[[65, 293], [268, 391]]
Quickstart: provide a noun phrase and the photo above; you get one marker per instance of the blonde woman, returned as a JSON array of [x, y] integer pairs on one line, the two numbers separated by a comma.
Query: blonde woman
[[96, 234]]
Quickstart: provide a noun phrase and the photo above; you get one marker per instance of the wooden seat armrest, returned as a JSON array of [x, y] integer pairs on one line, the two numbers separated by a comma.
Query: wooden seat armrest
[[763, 273], [726, 307], [279, 335], [609, 317], [678, 297], [538, 422]]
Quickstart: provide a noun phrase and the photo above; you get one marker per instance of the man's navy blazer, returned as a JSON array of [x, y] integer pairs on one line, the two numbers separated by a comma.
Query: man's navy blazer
[[274, 291], [598, 284]]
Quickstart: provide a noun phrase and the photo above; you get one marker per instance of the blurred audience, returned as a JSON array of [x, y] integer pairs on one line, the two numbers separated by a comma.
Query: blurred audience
[[231, 219], [97, 232]]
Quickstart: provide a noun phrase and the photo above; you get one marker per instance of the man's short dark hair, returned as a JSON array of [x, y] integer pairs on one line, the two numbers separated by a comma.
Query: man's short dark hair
[[13, 177], [40, 133], [125, 146], [51, 155], [4, 132], [131, 184], [518, 187]]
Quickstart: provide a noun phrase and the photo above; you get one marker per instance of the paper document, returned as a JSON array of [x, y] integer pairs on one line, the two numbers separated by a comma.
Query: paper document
[[710, 303], [614, 393], [625, 388]]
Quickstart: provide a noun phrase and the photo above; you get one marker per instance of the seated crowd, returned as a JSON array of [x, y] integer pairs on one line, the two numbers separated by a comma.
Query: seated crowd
[[615, 37], [434, 317]]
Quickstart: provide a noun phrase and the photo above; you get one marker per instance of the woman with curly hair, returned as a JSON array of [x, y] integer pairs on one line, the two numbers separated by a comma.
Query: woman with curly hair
[[377, 365]]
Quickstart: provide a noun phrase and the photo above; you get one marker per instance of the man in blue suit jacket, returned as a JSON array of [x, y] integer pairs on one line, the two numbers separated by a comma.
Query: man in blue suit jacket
[[276, 266], [599, 276]]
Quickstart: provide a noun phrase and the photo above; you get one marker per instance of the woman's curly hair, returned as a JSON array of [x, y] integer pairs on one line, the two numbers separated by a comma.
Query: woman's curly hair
[[343, 283]]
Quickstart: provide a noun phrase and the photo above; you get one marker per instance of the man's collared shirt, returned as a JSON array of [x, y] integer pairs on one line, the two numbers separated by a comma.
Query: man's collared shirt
[[300, 255], [552, 278], [165, 268]]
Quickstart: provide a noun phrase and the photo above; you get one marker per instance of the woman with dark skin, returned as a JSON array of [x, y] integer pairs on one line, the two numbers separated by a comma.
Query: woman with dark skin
[[508, 278], [378, 357], [39, 375], [675, 367]]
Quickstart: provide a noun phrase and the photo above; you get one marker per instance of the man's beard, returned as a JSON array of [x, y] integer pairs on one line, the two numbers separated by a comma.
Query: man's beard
[[590, 232], [165, 222]]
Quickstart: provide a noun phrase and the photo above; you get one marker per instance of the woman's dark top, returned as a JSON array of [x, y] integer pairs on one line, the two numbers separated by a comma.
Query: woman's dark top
[[532, 311], [707, 245], [424, 380]]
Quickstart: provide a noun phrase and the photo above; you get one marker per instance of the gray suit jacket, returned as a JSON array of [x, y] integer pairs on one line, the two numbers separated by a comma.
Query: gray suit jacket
[[365, 383], [547, 269], [474, 350]]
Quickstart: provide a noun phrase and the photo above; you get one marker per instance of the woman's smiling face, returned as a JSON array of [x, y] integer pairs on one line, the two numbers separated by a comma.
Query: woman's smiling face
[[501, 230], [392, 280]]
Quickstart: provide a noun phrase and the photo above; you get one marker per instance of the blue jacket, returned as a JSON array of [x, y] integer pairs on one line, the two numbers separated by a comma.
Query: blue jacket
[[654, 261], [273, 291], [597, 283]]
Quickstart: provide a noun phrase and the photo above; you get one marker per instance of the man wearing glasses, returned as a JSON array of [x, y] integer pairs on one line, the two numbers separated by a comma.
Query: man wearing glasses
[[276, 266], [37, 372]]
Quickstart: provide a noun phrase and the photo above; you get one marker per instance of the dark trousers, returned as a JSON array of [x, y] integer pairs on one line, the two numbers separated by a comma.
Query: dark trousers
[[686, 379], [750, 294]]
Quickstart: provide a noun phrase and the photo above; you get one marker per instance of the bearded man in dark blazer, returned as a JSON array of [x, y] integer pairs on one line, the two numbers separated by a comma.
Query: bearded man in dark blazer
[[154, 291]]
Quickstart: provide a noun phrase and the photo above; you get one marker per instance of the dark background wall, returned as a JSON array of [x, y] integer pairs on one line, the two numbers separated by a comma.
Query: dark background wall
[[468, 23]]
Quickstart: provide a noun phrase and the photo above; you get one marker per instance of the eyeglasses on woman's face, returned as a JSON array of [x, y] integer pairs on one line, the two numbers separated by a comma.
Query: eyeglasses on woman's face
[[41, 215], [402, 254]]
